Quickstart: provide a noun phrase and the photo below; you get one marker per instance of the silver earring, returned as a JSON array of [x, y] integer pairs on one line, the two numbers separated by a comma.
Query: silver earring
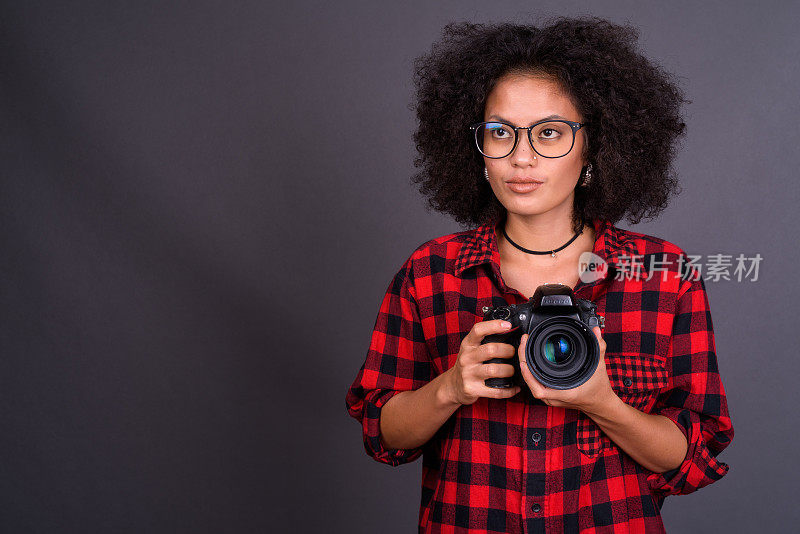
[[587, 177], [486, 173]]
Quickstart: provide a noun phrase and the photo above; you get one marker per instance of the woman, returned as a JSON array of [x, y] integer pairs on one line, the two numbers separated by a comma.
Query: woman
[[542, 138]]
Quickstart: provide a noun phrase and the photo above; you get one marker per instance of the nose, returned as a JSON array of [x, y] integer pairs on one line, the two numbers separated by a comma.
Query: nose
[[523, 153]]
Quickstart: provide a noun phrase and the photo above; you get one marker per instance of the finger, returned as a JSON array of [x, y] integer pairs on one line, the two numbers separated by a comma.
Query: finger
[[495, 370], [495, 350], [482, 329], [499, 393]]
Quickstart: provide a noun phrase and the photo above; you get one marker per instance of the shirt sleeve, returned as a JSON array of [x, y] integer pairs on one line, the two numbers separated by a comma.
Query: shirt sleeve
[[694, 397], [397, 360]]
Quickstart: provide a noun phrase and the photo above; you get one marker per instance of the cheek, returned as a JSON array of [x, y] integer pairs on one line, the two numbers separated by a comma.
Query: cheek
[[497, 165], [566, 175]]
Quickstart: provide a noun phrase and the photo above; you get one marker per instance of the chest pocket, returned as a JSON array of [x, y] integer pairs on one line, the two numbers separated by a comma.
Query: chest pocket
[[637, 379]]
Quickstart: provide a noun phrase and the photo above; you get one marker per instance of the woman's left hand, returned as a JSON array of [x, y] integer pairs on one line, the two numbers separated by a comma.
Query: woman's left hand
[[587, 397]]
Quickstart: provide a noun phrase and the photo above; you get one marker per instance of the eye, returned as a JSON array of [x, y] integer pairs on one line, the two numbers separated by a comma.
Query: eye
[[549, 133], [498, 130]]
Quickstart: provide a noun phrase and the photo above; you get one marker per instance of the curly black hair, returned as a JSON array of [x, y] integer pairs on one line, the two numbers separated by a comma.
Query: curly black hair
[[632, 107]]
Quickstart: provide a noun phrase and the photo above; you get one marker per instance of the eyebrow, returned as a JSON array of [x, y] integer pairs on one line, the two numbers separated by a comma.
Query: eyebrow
[[548, 118]]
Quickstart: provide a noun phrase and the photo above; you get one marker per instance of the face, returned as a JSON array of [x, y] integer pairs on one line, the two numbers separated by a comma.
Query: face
[[522, 101]]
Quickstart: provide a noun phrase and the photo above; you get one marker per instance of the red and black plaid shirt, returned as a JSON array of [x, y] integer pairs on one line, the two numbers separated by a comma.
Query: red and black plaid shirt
[[518, 465]]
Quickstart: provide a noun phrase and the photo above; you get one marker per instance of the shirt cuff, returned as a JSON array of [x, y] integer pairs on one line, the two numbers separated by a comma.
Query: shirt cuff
[[699, 468], [373, 403]]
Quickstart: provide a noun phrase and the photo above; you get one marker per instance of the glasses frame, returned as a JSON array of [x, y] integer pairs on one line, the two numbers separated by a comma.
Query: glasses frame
[[572, 124]]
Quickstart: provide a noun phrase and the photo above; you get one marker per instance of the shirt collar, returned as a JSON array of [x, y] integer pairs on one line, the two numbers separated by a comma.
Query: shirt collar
[[614, 245]]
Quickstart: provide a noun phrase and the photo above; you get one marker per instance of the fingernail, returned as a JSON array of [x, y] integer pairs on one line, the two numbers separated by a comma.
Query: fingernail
[[505, 324]]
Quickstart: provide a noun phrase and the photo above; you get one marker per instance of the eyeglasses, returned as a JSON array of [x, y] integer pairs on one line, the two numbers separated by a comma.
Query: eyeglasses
[[548, 138]]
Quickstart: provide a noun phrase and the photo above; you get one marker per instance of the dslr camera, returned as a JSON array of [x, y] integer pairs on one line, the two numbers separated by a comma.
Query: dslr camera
[[562, 352]]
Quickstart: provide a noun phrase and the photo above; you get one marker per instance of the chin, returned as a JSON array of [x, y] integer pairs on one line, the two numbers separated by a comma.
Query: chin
[[519, 205], [532, 207]]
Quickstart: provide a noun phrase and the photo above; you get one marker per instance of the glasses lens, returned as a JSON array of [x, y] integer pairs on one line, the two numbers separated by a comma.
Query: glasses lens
[[495, 140], [552, 139]]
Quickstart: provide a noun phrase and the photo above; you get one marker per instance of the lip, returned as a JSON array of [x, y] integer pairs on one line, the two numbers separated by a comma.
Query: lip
[[521, 185]]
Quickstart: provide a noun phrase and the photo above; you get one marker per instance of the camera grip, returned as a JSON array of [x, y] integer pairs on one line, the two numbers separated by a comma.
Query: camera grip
[[499, 382]]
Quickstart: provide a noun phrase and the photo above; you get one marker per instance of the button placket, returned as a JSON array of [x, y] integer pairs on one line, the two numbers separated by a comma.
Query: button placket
[[534, 482]]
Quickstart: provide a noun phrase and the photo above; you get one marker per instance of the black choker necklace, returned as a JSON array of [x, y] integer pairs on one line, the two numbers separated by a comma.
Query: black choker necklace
[[551, 252]]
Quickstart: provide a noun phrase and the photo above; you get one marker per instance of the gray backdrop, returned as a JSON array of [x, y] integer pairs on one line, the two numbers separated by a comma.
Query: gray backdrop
[[193, 253]]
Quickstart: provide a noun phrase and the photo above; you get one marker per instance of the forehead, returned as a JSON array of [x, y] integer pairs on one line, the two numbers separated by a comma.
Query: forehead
[[525, 99]]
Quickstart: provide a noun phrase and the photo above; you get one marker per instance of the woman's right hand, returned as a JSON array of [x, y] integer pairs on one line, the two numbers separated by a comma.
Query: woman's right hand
[[466, 377]]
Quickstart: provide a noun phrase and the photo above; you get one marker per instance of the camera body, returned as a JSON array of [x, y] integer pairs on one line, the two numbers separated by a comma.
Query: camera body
[[562, 352]]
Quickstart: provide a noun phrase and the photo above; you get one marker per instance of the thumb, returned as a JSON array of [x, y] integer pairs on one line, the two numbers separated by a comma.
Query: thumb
[[521, 349], [523, 361], [599, 334], [537, 389]]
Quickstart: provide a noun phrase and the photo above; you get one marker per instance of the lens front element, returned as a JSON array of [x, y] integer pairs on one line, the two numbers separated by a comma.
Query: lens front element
[[557, 348]]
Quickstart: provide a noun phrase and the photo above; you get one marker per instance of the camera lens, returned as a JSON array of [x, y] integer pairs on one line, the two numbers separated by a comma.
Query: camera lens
[[562, 352], [557, 348]]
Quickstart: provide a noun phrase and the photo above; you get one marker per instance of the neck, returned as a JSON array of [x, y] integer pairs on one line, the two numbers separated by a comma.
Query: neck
[[545, 231]]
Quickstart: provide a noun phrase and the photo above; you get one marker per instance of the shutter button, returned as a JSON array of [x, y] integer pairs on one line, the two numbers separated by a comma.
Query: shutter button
[[628, 382]]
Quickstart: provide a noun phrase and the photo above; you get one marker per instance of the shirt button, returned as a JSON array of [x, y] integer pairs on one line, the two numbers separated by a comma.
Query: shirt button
[[536, 508], [628, 382], [535, 437]]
